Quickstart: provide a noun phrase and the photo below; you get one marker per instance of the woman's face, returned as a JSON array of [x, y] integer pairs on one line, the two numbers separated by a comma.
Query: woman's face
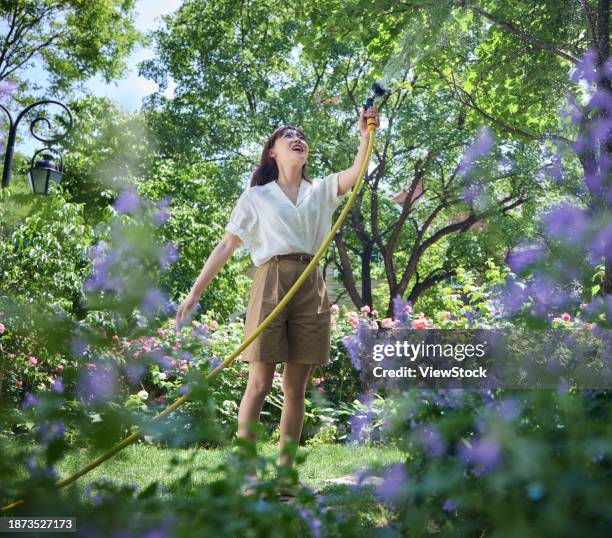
[[290, 146]]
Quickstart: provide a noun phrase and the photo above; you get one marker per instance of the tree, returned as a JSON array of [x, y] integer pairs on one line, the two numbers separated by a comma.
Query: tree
[[240, 73], [75, 39]]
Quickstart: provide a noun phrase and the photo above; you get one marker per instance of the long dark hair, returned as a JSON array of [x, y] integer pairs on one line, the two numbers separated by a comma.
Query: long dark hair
[[267, 170]]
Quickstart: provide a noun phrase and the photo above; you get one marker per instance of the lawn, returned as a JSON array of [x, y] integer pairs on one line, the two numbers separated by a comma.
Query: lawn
[[142, 464]]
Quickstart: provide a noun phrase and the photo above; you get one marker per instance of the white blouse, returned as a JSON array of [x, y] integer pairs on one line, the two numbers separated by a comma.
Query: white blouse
[[268, 223]]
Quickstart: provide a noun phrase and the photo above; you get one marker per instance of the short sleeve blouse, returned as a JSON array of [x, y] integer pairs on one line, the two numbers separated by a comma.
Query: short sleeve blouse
[[268, 223]]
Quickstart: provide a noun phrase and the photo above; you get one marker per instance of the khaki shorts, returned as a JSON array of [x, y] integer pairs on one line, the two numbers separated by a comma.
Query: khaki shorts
[[301, 332]]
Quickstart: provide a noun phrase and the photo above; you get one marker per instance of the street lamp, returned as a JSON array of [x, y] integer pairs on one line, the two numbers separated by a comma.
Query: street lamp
[[42, 171]]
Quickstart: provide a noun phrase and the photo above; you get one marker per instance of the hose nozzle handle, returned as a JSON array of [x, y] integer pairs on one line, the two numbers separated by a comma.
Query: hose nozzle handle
[[377, 91]]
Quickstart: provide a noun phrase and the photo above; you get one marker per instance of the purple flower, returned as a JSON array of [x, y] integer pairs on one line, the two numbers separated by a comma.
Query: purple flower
[[58, 386], [432, 441], [97, 385], [509, 409], [484, 453], [135, 372], [450, 505], [162, 212], [314, 523], [392, 483], [601, 246], [586, 68], [214, 362], [168, 254], [483, 145], [601, 99], [79, 346], [525, 255], [593, 183], [566, 222], [49, 431], [30, 401], [127, 202], [401, 309], [154, 301], [353, 347]]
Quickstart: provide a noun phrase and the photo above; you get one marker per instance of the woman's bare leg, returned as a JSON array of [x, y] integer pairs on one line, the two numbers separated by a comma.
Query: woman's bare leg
[[295, 379], [258, 386]]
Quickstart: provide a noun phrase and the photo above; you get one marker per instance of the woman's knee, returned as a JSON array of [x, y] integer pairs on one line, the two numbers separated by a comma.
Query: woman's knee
[[258, 388]]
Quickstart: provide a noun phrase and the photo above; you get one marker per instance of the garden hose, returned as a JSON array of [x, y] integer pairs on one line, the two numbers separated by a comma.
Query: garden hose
[[132, 438]]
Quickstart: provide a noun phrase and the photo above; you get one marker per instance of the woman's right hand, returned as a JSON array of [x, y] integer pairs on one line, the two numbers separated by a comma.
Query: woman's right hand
[[185, 308]]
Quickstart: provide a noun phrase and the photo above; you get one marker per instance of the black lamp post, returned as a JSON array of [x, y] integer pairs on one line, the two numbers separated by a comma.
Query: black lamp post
[[45, 170]]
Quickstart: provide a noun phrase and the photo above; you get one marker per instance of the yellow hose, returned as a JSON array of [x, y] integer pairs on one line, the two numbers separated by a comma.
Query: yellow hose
[[132, 438]]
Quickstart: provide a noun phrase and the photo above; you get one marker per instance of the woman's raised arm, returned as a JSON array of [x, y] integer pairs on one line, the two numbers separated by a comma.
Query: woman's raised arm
[[347, 178]]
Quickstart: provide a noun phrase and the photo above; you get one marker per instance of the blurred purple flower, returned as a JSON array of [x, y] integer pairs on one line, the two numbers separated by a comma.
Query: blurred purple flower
[[168, 254], [593, 183], [155, 301], [601, 245], [30, 401], [314, 523], [353, 347], [601, 99], [509, 409], [135, 372], [450, 505], [50, 431], [128, 201], [525, 255], [471, 192], [79, 346], [484, 452], [97, 385], [58, 386], [162, 212], [483, 145], [401, 309], [432, 440], [393, 482], [566, 222], [586, 68]]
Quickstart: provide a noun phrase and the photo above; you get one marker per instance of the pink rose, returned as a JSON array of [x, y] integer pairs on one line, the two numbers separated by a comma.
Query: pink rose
[[446, 315], [91, 366], [375, 313], [335, 309], [172, 363], [565, 316], [387, 323], [352, 314], [115, 338], [19, 383], [354, 323], [365, 309], [373, 324], [214, 324], [184, 368], [1, 328], [33, 360], [161, 399], [59, 368]]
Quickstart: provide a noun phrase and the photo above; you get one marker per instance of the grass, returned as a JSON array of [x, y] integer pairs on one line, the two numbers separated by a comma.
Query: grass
[[143, 464]]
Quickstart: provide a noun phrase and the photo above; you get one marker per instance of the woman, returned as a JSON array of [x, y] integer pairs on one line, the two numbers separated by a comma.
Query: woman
[[283, 218]]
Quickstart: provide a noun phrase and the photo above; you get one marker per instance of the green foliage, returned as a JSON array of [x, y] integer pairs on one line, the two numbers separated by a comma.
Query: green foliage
[[75, 39]]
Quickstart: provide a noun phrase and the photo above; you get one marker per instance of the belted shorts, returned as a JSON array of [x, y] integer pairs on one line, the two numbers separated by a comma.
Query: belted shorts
[[301, 332]]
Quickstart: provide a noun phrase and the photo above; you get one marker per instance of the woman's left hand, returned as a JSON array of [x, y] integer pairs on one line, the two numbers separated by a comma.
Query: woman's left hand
[[371, 112]]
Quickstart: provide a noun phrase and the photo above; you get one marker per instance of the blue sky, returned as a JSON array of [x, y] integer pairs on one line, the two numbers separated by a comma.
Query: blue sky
[[129, 91]]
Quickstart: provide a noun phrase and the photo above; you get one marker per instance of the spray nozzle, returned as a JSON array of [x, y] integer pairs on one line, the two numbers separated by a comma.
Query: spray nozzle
[[377, 91]]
